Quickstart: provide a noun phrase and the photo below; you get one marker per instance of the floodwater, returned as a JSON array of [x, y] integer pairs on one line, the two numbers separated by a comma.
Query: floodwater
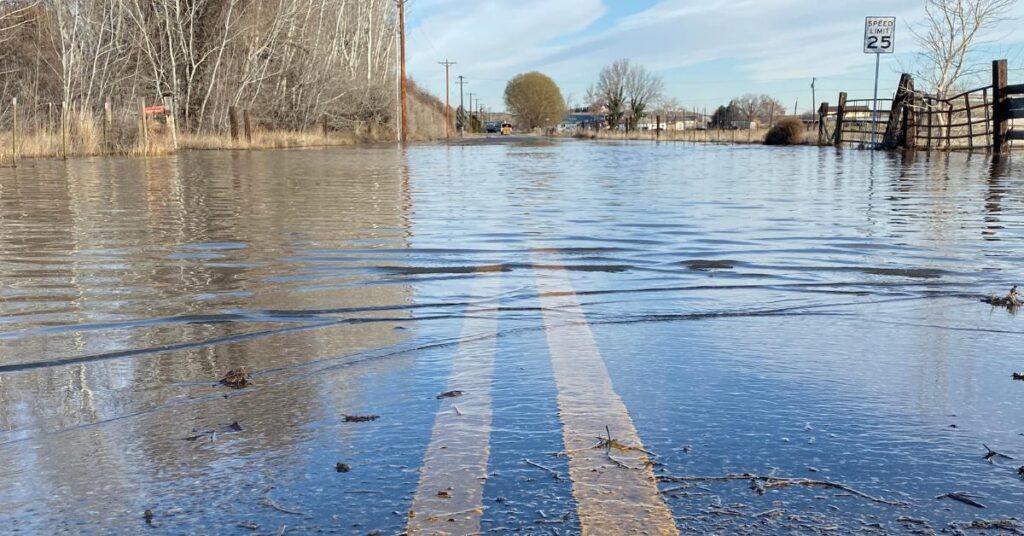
[[706, 310]]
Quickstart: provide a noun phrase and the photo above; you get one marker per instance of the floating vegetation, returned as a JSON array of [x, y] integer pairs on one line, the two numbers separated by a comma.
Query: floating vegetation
[[1011, 301]]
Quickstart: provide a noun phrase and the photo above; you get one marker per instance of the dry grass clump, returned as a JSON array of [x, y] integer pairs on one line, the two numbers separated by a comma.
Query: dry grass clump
[[788, 131], [84, 136]]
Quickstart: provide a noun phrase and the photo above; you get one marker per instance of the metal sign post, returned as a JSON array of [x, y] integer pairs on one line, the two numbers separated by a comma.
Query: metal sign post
[[879, 38]]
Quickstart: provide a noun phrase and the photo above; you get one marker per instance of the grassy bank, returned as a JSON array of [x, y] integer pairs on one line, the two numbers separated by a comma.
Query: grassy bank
[[755, 136], [85, 135], [699, 136]]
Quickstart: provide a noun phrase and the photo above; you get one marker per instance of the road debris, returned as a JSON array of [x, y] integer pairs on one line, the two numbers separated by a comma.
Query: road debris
[[762, 483], [1009, 525], [361, 418], [237, 378], [962, 496], [1011, 301], [270, 502], [212, 434], [993, 455], [554, 474]]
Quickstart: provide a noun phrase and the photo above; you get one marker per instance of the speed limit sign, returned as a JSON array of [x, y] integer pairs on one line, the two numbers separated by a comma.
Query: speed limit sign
[[879, 35]]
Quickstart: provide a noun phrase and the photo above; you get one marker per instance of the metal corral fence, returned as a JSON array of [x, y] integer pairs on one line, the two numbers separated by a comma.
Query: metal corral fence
[[980, 118]]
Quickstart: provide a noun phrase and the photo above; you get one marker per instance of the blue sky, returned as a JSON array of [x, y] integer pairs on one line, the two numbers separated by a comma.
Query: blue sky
[[707, 51]]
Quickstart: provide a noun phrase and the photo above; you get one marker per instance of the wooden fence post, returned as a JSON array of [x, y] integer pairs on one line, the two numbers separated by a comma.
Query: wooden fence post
[[908, 131], [893, 129], [657, 127], [1000, 107], [172, 119], [822, 117], [233, 122], [840, 112], [143, 131], [108, 119], [14, 132], [247, 121]]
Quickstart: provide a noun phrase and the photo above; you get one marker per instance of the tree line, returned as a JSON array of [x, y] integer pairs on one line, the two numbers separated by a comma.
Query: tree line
[[293, 62]]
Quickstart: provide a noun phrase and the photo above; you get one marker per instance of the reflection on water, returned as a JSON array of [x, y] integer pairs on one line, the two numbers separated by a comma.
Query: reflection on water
[[794, 284]]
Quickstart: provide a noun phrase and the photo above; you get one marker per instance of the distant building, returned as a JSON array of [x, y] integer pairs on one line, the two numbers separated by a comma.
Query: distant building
[[581, 121], [743, 125], [676, 121], [852, 112]]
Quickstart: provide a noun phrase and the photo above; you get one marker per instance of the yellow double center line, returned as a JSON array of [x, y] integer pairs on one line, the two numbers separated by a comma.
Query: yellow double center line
[[612, 481], [449, 499], [613, 484]]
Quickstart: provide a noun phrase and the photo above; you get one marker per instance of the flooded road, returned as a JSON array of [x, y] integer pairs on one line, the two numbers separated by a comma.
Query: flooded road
[[557, 338]]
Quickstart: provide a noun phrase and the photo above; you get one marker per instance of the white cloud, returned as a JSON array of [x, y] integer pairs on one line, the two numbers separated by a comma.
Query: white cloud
[[760, 42]]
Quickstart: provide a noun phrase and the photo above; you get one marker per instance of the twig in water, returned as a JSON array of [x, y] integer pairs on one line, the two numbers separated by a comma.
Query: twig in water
[[984, 524], [762, 483], [457, 410], [991, 454], [280, 531], [962, 496], [269, 502], [554, 474]]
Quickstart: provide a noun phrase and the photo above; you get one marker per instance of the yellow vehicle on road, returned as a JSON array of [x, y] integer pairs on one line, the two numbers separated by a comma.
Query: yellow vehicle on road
[[506, 128]]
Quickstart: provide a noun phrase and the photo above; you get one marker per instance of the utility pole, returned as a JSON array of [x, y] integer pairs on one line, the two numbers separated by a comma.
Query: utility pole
[[814, 98], [795, 105], [404, 136], [447, 107], [462, 105], [471, 109]]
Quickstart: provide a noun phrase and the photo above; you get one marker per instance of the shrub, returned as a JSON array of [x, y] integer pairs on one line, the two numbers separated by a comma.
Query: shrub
[[788, 131]]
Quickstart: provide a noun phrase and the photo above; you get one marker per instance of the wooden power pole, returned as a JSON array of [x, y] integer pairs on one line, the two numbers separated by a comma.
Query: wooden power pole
[[404, 132], [462, 104], [447, 106]]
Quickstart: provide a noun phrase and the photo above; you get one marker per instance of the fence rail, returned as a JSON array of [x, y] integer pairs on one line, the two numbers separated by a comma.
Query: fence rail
[[980, 118]]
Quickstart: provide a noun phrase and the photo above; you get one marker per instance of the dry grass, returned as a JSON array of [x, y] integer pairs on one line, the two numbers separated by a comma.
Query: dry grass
[[755, 136], [85, 135], [788, 131], [697, 136]]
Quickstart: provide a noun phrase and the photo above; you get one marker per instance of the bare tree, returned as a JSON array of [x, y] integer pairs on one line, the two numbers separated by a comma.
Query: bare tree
[[610, 91], [950, 29], [293, 62], [642, 88], [749, 105]]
